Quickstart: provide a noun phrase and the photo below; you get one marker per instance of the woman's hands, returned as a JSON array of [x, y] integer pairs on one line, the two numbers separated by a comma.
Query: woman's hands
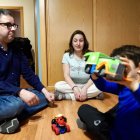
[[83, 96], [80, 94]]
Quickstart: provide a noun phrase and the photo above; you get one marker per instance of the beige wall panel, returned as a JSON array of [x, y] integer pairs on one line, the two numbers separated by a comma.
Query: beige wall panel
[[64, 17], [106, 23], [28, 15], [117, 23]]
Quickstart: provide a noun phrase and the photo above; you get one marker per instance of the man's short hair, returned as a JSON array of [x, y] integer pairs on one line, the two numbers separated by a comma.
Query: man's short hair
[[5, 12]]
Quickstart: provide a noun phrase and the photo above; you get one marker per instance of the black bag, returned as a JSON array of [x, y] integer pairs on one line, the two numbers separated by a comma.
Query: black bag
[[25, 45]]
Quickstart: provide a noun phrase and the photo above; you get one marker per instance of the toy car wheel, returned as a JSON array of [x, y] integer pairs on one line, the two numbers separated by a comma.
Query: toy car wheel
[[57, 132], [87, 68], [68, 128], [102, 72], [54, 127]]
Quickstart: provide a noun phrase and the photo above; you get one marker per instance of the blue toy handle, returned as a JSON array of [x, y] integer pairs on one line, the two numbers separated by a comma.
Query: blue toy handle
[[92, 69]]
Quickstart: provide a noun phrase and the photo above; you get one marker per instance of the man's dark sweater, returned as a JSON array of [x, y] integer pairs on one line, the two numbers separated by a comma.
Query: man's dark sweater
[[13, 63]]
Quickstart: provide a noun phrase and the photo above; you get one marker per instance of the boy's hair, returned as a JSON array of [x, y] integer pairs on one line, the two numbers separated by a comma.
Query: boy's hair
[[132, 52], [5, 12]]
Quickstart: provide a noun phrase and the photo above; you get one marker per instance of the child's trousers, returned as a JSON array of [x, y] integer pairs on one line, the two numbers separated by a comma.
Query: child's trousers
[[98, 124]]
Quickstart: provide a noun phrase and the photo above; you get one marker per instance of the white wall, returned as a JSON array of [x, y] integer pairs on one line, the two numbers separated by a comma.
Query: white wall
[[28, 9]]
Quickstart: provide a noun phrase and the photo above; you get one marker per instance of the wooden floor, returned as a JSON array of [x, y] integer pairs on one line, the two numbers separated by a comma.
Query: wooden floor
[[38, 127]]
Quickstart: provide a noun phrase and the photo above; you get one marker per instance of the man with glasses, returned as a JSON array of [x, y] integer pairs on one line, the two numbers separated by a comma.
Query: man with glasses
[[16, 103], [9, 25]]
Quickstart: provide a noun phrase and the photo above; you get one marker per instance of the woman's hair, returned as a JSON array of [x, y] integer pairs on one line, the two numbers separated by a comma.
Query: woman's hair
[[132, 52], [86, 44]]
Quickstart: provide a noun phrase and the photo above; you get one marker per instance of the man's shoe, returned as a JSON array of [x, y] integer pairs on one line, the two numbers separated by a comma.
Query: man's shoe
[[9, 126], [59, 96]]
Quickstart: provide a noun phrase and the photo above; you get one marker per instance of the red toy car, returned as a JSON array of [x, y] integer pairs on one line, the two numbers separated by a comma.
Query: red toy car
[[59, 125]]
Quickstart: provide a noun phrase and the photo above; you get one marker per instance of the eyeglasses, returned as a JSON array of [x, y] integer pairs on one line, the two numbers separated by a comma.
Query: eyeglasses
[[9, 25]]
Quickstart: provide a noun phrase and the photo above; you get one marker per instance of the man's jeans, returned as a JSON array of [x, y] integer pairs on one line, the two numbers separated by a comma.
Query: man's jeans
[[12, 106]]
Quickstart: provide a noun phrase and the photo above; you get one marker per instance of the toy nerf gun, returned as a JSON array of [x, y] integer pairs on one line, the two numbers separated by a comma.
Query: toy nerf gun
[[103, 65]]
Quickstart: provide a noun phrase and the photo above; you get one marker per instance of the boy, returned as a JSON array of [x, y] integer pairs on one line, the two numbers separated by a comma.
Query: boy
[[123, 121]]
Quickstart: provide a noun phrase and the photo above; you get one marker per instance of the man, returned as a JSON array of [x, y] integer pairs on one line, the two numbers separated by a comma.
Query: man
[[16, 103]]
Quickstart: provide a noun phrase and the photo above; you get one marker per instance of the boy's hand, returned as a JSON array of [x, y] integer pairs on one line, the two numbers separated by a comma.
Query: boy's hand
[[132, 73], [94, 76]]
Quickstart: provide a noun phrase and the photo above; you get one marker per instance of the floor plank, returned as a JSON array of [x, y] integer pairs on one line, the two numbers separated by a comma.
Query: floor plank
[[38, 127]]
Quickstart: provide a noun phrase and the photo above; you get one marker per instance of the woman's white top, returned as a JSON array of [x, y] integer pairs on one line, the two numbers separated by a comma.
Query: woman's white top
[[77, 68]]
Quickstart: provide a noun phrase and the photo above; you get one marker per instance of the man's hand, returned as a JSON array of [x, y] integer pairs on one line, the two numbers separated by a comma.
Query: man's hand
[[48, 95], [28, 97]]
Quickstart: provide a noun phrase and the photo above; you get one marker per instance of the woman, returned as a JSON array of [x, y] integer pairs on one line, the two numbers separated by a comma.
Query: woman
[[77, 84]]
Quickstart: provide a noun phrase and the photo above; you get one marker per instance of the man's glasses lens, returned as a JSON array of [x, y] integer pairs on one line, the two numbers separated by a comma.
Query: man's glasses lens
[[9, 25]]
